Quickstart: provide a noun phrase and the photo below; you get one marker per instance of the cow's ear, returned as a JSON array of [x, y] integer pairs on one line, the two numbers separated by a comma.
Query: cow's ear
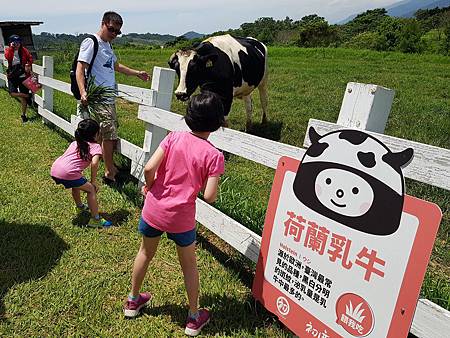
[[313, 135], [208, 59], [173, 61], [400, 159], [207, 53]]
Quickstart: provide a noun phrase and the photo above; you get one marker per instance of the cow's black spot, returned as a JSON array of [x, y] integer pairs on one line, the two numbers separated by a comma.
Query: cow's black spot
[[353, 136], [252, 62], [367, 159], [317, 149], [237, 78]]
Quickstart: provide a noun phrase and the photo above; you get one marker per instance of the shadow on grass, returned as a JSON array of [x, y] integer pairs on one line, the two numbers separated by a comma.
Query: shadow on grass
[[228, 314], [237, 264], [269, 130], [28, 252], [117, 217], [126, 183]]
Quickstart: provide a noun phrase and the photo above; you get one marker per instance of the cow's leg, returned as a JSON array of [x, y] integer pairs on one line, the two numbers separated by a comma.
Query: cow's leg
[[248, 109], [263, 96]]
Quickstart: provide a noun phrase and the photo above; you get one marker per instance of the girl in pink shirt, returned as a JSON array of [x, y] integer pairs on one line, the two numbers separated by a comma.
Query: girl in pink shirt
[[68, 169], [184, 164]]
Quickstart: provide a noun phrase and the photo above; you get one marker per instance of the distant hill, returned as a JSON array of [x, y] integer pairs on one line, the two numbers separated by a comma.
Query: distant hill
[[51, 41], [145, 39], [193, 35], [406, 8]]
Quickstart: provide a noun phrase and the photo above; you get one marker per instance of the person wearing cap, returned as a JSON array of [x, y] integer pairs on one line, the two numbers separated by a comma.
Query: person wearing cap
[[19, 67]]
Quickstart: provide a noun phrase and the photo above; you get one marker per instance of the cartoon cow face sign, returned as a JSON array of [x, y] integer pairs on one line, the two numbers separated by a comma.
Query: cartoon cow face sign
[[354, 179]]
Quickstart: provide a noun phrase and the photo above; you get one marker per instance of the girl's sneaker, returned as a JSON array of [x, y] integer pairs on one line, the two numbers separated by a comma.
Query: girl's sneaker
[[194, 326], [132, 307], [98, 223]]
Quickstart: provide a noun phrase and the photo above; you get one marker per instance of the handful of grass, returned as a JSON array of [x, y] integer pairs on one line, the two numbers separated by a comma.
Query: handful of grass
[[97, 98]]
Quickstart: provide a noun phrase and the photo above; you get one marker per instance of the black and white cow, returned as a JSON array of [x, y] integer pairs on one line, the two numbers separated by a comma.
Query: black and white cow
[[228, 66], [351, 177]]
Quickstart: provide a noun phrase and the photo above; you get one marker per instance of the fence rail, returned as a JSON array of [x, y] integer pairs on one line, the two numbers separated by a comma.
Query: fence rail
[[430, 165]]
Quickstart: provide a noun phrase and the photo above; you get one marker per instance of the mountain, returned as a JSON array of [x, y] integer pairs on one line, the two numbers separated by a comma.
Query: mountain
[[193, 35], [49, 40], [145, 39], [406, 8]]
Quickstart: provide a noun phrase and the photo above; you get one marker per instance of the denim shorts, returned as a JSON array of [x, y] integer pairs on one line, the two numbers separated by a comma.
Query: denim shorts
[[16, 86], [70, 183], [181, 239]]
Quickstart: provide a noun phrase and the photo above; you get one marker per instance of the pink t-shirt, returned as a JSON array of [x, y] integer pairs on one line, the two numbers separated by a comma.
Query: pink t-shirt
[[69, 166], [188, 162]]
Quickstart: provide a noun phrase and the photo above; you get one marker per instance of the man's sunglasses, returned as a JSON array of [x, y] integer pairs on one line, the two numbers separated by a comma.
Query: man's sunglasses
[[111, 29]]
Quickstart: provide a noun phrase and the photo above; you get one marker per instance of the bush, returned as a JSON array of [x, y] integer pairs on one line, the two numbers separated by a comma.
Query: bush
[[365, 40]]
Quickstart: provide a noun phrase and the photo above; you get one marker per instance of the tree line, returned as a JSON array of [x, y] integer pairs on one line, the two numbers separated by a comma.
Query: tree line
[[428, 31]]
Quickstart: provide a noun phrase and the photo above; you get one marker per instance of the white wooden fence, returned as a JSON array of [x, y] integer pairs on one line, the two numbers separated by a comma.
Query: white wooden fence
[[364, 106]]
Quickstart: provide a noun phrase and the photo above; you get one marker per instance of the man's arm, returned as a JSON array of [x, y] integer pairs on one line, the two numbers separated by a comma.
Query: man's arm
[[143, 75], [81, 70]]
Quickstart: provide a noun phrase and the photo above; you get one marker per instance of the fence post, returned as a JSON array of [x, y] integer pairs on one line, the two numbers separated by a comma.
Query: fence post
[[3, 83], [162, 83], [366, 106], [47, 92]]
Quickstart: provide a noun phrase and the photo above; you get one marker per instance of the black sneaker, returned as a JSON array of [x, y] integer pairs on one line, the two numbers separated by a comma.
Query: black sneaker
[[24, 118]]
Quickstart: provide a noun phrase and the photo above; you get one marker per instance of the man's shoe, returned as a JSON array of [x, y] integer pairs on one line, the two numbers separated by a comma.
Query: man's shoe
[[24, 118]]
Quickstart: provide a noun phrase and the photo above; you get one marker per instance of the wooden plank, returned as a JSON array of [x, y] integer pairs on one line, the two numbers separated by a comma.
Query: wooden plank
[[38, 69], [130, 150], [55, 84], [232, 232], [57, 120], [137, 95], [39, 100], [430, 164], [254, 148], [430, 320]]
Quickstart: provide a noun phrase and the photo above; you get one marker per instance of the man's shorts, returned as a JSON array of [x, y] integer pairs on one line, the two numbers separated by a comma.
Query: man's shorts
[[108, 122], [16, 86], [68, 184], [181, 239]]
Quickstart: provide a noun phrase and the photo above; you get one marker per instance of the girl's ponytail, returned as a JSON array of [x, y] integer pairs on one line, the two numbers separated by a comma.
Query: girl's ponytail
[[86, 132]]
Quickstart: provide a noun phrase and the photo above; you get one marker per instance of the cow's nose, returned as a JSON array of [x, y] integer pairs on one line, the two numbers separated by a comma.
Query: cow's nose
[[340, 193], [181, 96]]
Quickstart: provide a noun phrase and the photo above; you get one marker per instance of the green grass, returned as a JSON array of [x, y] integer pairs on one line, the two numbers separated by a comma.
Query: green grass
[[60, 279], [88, 271]]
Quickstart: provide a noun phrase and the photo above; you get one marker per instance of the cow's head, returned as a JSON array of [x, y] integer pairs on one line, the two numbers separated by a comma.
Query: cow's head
[[191, 66]]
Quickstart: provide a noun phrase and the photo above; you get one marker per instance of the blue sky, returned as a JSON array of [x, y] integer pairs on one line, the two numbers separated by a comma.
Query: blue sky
[[174, 17]]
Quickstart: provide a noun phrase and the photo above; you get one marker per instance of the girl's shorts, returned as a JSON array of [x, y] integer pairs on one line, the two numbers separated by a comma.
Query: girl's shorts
[[181, 239], [70, 183]]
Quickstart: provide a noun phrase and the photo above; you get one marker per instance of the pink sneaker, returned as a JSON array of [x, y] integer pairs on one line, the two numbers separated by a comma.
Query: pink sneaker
[[132, 308], [193, 327]]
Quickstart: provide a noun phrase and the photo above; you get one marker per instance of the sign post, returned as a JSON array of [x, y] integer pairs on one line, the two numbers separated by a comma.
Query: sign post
[[343, 250]]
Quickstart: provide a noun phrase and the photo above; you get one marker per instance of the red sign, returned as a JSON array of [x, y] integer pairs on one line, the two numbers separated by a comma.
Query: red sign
[[325, 278]]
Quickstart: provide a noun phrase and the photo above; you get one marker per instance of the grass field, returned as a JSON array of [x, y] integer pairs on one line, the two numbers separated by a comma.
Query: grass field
[[74, 279]]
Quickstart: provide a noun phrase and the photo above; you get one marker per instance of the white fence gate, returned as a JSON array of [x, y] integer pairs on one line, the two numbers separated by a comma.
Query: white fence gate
[[364, 106]]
